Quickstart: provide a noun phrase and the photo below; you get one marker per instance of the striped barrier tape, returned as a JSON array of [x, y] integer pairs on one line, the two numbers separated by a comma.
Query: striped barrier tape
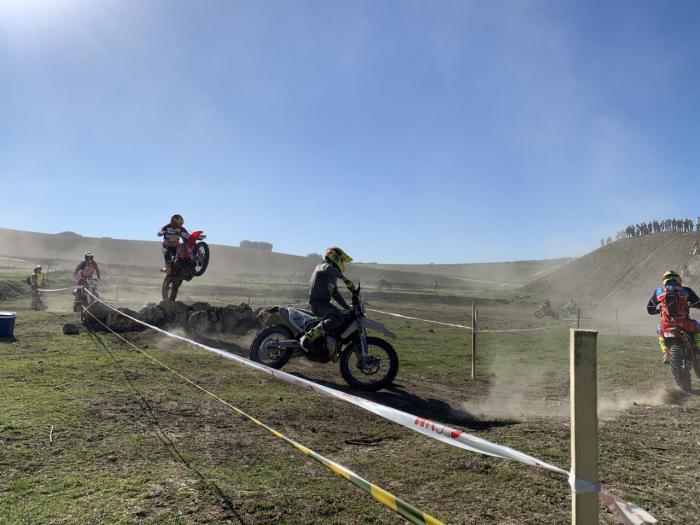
[[384, 497], [51, 290], [627, 513], [465, 327]]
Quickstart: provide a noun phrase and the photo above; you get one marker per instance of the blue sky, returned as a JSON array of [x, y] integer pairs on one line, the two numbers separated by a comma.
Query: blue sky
[[402, 131]]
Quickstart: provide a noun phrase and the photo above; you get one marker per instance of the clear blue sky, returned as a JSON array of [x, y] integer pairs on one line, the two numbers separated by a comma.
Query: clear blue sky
[[402, 131]]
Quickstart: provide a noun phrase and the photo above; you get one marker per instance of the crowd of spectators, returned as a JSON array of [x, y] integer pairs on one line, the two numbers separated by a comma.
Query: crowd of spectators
[[648, 228]]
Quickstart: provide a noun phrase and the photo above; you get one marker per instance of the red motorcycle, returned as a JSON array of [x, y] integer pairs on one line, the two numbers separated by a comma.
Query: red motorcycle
[[684, 355], [191, 260]]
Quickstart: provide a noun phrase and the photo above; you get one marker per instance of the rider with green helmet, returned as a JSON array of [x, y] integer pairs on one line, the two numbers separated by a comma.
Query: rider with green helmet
[[324, 289]]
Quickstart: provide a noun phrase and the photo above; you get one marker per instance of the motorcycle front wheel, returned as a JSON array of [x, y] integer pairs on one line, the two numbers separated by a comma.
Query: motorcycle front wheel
[[201, 258], [374, 372], [539, 314], [680, 366]]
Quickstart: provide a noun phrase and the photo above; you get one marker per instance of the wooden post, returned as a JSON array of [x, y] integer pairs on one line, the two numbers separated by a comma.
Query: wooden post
[[474, 324], [578, 318], [584, 424], [617, 320], [117, 288]]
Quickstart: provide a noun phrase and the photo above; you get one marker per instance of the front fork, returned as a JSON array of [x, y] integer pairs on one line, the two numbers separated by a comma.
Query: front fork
[[363, 339]]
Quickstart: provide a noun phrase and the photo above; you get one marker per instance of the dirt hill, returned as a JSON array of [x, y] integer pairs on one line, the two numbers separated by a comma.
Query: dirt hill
[[623, 273], [64, 250]]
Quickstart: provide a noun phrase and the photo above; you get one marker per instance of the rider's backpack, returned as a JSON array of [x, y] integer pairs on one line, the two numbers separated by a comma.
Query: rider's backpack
[[672, 302]]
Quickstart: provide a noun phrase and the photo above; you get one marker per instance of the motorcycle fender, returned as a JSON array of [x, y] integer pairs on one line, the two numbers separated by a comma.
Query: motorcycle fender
[[349, 330], [284, 312], [379, 327]]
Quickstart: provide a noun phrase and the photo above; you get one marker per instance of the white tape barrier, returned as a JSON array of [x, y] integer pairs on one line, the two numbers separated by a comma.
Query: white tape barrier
[[51, 290], [627, 513], [465, 327]]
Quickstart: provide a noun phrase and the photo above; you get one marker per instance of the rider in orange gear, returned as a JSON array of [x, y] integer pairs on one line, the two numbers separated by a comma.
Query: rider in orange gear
[[673, 301], [86, 269]]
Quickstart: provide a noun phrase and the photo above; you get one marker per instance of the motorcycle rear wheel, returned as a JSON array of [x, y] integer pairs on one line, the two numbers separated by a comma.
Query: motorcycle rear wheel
[[260, 353], [170, 288], [385, 364], [680, 366]]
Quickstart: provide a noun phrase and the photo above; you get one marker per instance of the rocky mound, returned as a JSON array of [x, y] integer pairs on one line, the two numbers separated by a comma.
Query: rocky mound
[[197, 319]]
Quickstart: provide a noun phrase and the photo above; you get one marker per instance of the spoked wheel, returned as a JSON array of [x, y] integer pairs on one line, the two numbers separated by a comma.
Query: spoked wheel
[[539, 314], [201, 258], [375, 371], [170, 288], [680, 366], [262, 349]]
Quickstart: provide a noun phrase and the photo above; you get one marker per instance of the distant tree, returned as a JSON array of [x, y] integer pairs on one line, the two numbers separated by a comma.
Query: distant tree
[[257, 245], [315, 256]]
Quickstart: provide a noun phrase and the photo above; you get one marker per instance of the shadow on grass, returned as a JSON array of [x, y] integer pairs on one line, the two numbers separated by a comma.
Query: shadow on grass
[[427, 408], [11, 339], [394, 396], [150, 415]]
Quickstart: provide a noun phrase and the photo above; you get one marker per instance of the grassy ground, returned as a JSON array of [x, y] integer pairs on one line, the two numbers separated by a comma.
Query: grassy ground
[[131, 443]]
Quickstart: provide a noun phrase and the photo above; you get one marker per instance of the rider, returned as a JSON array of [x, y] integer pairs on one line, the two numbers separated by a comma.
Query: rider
[[172, 233], [36, 281], [673, 301], [324, 287], [547, 307], [571, 306], [86, 269]]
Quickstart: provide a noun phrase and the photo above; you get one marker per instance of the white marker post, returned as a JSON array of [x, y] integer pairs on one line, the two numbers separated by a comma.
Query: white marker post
[[475, 322], [584, 425]]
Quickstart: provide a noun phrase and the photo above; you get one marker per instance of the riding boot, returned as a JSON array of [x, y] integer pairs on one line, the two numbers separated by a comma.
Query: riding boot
[[696, 339], [309, 338], [664, 349]]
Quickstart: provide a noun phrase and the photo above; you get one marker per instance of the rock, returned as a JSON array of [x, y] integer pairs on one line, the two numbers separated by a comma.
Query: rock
[[120, 323], [269, 316], [95, 314], [71, 329], [202, 322], [200, 306], [238, 319], [152, 314], [175, 312]]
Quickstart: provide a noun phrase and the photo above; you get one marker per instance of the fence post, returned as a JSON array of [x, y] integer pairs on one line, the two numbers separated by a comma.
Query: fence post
[[578, 318], [584, 424], [474, 328], [617, 320]]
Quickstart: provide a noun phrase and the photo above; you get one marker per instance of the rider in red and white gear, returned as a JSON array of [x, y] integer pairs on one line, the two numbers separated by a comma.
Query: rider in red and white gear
[[172, 233], [87, 269], [674, 301]]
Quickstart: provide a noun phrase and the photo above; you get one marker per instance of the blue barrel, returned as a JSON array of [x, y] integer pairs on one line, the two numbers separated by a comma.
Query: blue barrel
[[7, 324]]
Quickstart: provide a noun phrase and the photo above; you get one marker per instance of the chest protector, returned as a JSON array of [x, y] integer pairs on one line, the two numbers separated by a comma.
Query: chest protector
[[674, 303]]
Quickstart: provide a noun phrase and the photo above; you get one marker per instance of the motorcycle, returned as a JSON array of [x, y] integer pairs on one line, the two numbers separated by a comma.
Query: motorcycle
[[568, 311], [82, 298], [684, 356], [541, 313], [366, 363], [191, 260]]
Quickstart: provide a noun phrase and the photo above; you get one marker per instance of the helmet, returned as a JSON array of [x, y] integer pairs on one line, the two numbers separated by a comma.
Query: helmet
[[89, 256], [177, 220], [37, 268], [672, 277], [337, 257]]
